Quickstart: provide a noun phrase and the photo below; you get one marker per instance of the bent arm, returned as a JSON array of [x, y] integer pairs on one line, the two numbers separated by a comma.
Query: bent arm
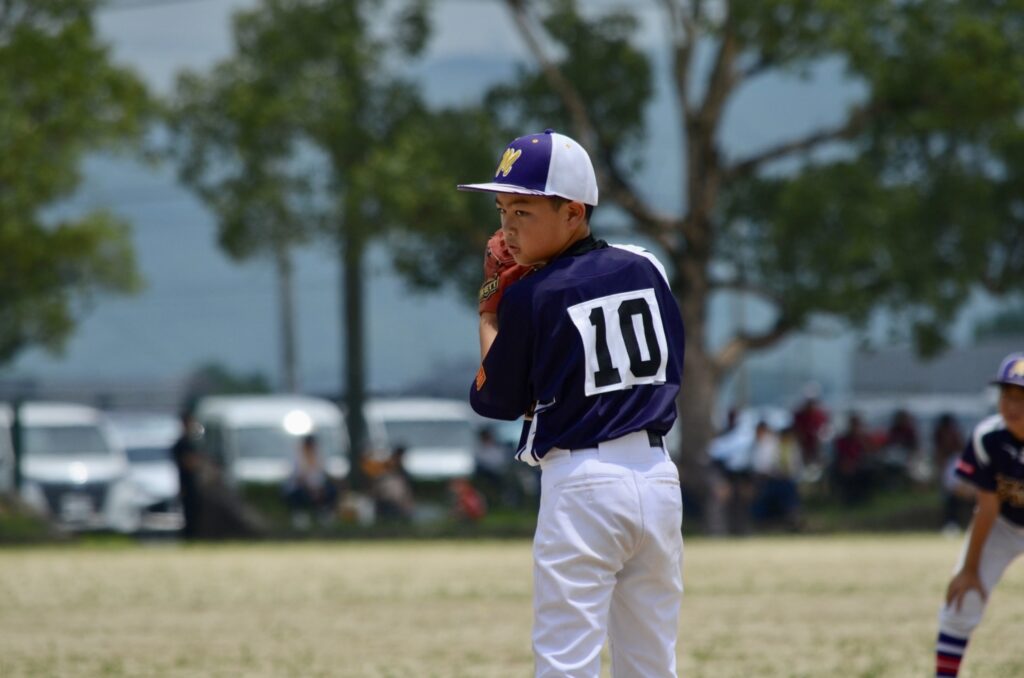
[[984, 518], [488, 331], [969, 578]]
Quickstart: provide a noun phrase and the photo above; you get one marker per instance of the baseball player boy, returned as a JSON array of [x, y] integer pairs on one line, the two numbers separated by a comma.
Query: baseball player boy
[[994, 462], [586, 340]]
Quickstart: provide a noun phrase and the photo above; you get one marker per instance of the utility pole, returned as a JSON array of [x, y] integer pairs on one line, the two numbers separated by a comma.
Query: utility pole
[[353, 246], [286, 304]]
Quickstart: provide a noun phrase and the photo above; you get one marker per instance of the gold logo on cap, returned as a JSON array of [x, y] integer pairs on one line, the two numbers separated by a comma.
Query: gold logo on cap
[[1017, 370], [507, 160]]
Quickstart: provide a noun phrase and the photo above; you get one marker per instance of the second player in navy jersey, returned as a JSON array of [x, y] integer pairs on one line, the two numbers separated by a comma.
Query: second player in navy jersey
[[586, 341], [993, 461]]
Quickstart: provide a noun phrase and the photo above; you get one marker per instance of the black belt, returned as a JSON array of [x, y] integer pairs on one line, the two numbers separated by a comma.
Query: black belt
[[655, 440]]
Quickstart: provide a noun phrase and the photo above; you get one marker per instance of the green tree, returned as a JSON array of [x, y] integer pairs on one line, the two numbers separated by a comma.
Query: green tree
[[908, 204], [62, 98], [309, 131]]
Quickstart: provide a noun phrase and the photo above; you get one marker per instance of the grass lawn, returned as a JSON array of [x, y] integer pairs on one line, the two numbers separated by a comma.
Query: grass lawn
[[802, 606]]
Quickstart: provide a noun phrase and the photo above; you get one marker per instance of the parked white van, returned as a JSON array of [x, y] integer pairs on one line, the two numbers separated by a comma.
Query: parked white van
[[73, 468], [147, 438], [438, 434], [255, 438]]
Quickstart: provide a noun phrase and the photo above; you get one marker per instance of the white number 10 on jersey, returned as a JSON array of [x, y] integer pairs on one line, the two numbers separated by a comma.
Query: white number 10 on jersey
[[623, 340]]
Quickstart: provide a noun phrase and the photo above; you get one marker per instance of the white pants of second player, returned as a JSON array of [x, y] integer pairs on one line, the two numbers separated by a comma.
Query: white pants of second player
[[1004, 544], [608, 561]]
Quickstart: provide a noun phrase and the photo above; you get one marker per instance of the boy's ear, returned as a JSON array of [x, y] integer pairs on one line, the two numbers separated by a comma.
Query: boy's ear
[[577, 211]]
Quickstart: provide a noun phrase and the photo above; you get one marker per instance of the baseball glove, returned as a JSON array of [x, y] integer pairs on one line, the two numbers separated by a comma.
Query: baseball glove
[[500, 271]]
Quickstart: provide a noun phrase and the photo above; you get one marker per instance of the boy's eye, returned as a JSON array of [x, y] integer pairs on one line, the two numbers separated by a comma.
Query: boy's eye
[[520, 213]]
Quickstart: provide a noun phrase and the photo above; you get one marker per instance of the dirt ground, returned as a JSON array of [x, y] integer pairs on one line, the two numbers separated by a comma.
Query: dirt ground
[[851, 606]]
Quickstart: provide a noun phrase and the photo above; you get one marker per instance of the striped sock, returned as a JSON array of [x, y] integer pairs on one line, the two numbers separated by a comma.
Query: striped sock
[[949, 650]]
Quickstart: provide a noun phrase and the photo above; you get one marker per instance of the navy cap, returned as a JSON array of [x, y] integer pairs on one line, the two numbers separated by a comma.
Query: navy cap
[[547, 164], [1011, 370]]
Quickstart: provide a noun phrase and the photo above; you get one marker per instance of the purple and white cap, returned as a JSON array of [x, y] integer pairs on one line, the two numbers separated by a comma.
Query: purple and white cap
[[549, 164], [1011, 370]]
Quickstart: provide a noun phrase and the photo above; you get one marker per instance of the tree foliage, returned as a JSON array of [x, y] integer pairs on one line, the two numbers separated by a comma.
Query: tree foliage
[[908, 203], [62, 98], [310, 131]]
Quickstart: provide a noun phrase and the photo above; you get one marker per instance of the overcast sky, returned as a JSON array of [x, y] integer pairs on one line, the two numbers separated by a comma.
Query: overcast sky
[[199, 307]]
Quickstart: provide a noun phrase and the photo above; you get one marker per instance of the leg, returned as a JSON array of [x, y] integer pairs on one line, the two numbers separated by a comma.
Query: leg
[[190, 511], [584, 527], [644, 617], [955, 626]]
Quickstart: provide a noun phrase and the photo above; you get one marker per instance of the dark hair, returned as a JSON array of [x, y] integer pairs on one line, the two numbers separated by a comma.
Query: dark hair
[[557, 201]]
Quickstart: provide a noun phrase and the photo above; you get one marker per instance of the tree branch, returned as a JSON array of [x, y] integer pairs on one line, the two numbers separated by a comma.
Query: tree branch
[[583, 128], [611, 181], [623, 194], [682, 29], [733, 352], [723, 76], [853, 125], [756, 68]]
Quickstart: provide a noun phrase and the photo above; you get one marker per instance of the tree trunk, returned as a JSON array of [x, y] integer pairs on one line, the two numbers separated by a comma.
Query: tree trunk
[[286, 302], [700, 375], [353, 247]]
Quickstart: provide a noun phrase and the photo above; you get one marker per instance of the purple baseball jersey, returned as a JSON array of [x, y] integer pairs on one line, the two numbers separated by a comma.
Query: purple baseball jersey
[[993, 460], [591, 346]]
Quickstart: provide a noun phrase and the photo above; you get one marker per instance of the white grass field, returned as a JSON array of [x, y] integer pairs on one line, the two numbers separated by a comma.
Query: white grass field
[[821, 606]]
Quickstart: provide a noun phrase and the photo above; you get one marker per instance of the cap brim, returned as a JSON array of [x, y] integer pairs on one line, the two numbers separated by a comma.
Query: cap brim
[[495, 187]]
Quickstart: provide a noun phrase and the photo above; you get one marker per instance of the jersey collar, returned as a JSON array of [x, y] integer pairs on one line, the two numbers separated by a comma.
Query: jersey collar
[[582, 246]]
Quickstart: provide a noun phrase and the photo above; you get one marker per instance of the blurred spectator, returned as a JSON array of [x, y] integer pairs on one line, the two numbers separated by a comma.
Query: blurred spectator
[[851, 469], [492, 465], [903, 431], [188, 458], [739, 476], [957, 496], [308, 490], [902, 444], [392, 488], [810, 423], [777, 467], [468, 504]]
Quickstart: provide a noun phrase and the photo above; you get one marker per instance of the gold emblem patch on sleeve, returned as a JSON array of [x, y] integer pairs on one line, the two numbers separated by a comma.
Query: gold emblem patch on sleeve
[[481, 378]]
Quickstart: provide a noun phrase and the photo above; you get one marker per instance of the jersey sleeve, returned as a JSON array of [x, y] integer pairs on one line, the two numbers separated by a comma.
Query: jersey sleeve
[[975, 465], [502, 386]]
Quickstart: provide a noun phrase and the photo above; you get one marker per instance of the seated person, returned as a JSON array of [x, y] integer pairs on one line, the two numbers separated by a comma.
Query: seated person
[[308, 489]]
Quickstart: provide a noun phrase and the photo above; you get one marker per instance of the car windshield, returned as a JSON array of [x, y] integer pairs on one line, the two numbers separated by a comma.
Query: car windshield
[[148, 454], [273, 442], [65, 441], [411, 434]]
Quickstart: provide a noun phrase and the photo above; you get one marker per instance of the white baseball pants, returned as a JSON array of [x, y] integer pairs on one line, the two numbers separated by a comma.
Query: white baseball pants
[[608, 561], [1005, 542]]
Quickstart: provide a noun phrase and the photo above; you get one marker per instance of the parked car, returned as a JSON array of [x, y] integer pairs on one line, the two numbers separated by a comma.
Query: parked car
[[438, 434], [147, 438], [255, 438], [74, 470], [6, 452]]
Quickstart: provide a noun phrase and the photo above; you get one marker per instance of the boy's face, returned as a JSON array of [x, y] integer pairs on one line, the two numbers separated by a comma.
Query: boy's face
[[1011, 407], [537, 228]]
